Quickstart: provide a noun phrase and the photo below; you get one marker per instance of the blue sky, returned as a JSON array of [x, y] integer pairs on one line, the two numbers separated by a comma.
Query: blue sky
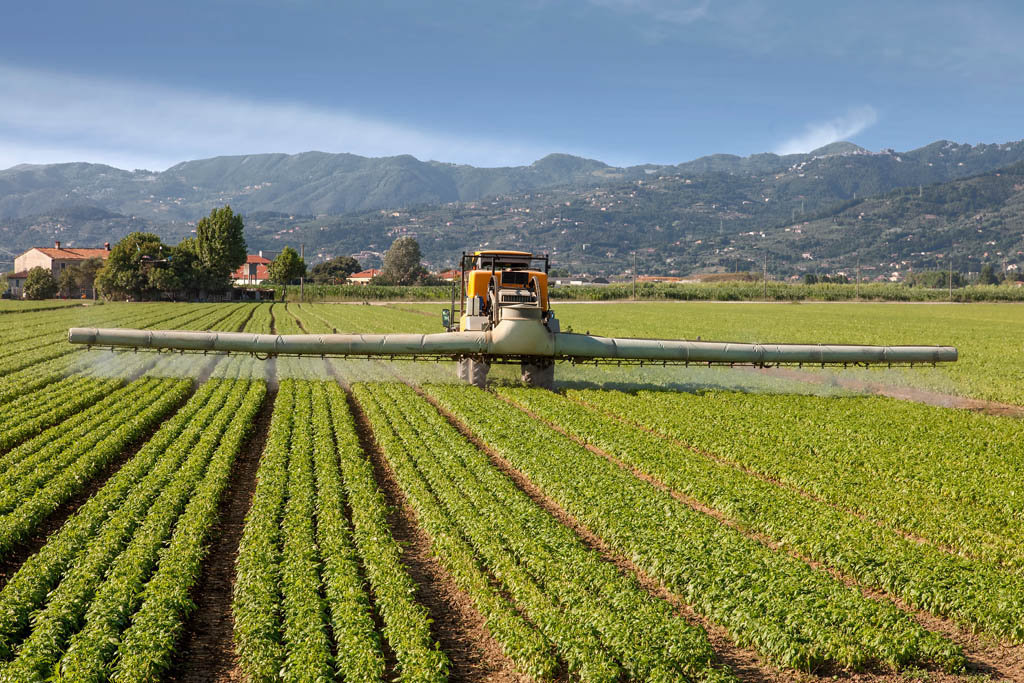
[[145, 85]]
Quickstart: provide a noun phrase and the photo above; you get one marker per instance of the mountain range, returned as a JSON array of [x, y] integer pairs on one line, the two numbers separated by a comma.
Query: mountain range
[[680, 218]]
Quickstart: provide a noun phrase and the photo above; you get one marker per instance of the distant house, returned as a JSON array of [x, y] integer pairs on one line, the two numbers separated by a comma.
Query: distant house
[[363, 277], [16, 284], [54, 259], [450, 275], [254, 271]]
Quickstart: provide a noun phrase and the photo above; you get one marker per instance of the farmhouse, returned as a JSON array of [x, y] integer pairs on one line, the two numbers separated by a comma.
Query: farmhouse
[[254, 271], [54, 259], [363, 277]]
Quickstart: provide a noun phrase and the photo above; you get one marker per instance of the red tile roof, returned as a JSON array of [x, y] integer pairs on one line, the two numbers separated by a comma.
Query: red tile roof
[[17, 276], [262, 270], [372, 272], [71, 254]]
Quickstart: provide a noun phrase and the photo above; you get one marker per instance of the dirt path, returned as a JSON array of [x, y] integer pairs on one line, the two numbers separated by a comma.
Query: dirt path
[[206, 652], [458, 627]]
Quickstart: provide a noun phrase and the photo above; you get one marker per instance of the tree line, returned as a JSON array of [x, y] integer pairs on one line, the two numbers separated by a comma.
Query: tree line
[[141, 267]]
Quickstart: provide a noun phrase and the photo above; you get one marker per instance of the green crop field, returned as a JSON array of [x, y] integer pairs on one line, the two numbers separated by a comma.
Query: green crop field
[[222, 518]]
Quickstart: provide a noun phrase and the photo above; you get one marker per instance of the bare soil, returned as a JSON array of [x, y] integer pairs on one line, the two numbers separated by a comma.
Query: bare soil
[[457, 626], [206, 651]]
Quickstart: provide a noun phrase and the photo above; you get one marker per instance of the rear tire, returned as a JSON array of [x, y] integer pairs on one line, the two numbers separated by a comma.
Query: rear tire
[[540, 375], [478, 370], [462, 370]]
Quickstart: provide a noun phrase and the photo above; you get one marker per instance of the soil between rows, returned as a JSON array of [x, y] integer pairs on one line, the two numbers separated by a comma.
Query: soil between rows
[[206, 651], [457, 626]]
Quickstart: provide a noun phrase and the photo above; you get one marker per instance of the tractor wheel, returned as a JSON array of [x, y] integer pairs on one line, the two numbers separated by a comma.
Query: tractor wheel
[[539, 375], [478, 373], [462, 369]]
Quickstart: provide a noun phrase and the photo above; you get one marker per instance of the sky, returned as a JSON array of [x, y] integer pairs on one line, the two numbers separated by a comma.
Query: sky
[[491, 83]]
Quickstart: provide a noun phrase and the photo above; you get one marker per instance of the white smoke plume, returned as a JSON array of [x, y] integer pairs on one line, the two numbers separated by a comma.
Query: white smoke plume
[[819, 134]]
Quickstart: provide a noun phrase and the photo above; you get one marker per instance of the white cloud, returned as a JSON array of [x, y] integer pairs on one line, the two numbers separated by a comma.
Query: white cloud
[[820, 134], [47, 117], [671, 11]]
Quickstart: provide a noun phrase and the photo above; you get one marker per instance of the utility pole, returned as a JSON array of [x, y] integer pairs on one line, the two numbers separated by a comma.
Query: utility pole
[[634, 276], [302, 278], [951, 274], [766, 276], [858, 274]]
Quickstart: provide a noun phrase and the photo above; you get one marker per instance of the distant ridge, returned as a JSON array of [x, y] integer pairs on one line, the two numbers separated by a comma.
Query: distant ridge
[[332, 202]]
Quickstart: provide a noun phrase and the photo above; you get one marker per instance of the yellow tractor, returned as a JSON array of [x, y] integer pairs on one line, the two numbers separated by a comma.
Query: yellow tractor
[[492, 283]]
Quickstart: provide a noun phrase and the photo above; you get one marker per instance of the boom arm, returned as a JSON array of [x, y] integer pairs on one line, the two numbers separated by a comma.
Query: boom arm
[[514, 339]]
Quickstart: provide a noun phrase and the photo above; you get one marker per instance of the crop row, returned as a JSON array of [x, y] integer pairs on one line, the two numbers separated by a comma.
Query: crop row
[[42, 474], [112, 584], [299, 597], [573, 599], [15, 306], [974, 593], [988, 337], [949, 476], [44, 357], [48, 406], [797, 616]]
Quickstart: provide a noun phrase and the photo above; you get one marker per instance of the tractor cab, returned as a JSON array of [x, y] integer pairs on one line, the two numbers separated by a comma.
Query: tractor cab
[[494, 280]]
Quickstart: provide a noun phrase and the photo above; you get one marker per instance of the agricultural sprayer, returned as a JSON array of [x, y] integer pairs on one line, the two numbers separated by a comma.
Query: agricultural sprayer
[[505, 316]]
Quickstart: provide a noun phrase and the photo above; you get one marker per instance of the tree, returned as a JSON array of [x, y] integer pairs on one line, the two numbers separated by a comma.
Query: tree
[[85, 273], [40, 284], [193, 277], [988, 276], [66, 282], [126, 272], [220, 246], [402, 263], [337, 269], [810, 279], [287, 266]]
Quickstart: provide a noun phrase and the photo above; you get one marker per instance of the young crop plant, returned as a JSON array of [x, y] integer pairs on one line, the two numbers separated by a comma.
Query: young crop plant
[[300, 595], [132, 488], [973, 592], [574, 599], [148, 644], [257, 594], [950, 477], [95, 576], [42, 475], [406, 621], [795, 615]]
